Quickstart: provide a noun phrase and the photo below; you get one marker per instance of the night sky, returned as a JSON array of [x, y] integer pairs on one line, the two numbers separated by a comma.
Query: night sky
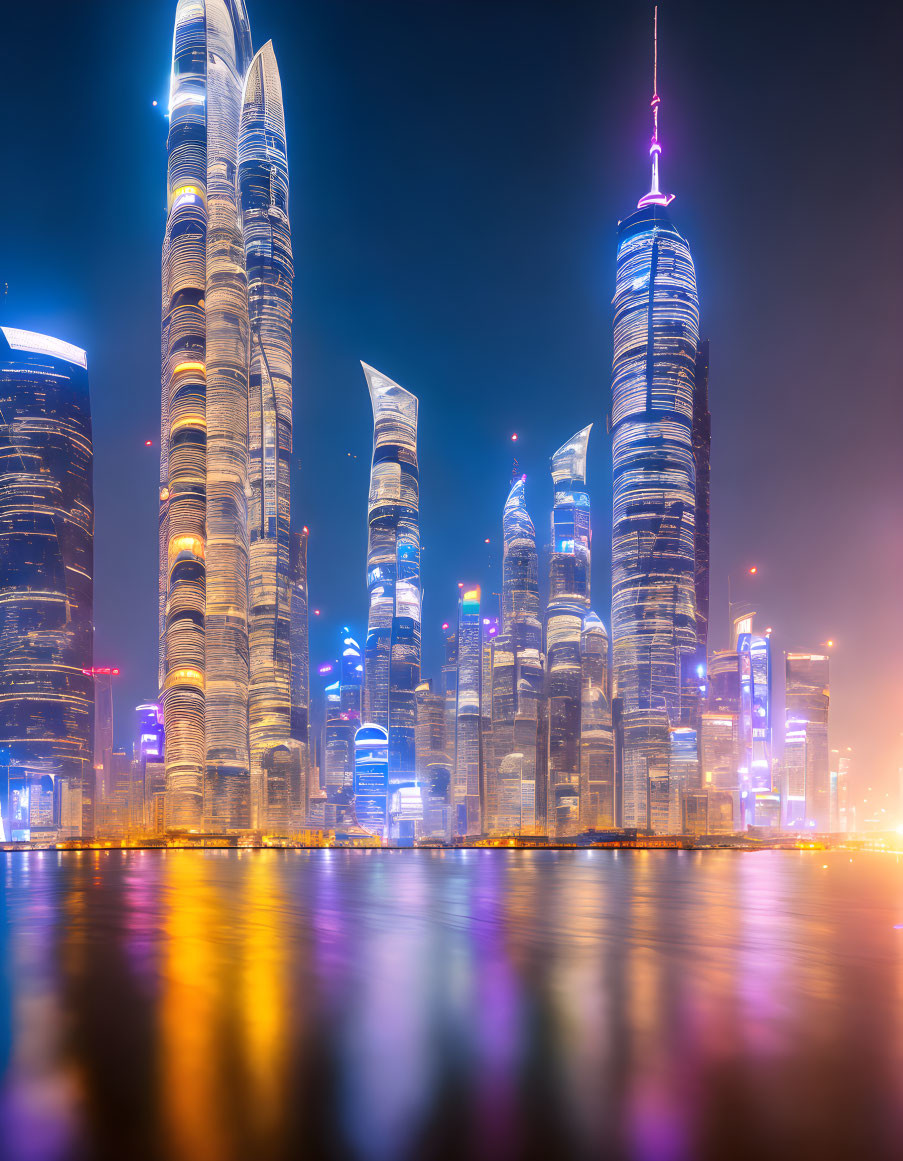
[[458, 170]]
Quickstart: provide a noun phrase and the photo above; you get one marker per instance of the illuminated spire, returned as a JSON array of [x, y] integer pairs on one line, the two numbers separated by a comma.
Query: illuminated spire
[[655, 197]]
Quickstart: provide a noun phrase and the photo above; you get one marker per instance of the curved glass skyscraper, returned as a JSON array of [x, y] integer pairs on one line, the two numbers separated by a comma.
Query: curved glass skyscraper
[[569, 598], [517, 676], [226, 421], [263, 196], [46, 588], [656, 343], [392, 650], [468, 788]]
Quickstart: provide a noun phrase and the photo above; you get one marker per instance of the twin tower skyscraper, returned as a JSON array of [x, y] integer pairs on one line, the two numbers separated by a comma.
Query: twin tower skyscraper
[[233, 649], [226, 546]]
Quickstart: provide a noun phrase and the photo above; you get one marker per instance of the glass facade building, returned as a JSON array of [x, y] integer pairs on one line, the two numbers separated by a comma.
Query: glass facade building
[[392, 650], [263, 201], [47, 589], [658, 436], [702, 454], [597, 754], [371, 779], [755, 769], [569, 600], [225, 653], [150, 770], [300, 640], [516, 677], [807, 760], [433, 762], [468, 789]]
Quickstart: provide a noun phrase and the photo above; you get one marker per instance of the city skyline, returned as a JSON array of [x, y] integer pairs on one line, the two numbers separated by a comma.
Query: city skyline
[[533, 448]]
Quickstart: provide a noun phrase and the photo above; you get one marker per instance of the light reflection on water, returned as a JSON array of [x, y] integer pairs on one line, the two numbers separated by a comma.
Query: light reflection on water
[[648, 1005]]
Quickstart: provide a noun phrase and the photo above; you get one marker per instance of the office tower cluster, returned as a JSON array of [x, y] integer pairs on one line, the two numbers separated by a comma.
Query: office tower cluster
[[517, 739], [538, 725]]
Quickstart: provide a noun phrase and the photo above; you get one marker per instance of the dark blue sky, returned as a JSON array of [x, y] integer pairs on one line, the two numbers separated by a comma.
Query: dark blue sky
[[458, 169]]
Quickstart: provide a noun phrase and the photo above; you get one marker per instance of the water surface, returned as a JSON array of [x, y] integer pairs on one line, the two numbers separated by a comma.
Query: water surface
[[205, 1006]]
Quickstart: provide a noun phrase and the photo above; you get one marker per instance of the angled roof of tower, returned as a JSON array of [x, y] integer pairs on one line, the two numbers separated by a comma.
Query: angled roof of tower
[[569, 462], [263, 89], [389, 397]]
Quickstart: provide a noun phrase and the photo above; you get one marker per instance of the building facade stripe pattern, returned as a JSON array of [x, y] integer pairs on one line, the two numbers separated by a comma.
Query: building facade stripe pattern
[[654, 567], [226, 426], [46, 589], [392, 649], [468, 789], [569, 602], [517, 676]]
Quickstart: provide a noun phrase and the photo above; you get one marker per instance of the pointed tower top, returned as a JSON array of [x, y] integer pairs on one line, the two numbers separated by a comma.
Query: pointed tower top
[[655, 197], [569, 462], [262, 91], [516, 519], [387, 396]]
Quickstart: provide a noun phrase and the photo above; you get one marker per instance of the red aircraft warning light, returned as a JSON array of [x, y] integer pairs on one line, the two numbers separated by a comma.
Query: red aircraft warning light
[[148, 443]]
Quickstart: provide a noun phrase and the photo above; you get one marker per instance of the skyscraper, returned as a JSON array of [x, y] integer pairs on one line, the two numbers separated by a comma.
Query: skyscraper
[[103, 731], [517, 676], [150, 770], [47, 588], [468, 786], [343, 717], [597, 756], [300, 642], [450, 686], [392, 650], [807, 766], [569, 600], [755, 769], [226, 421], [654, 554], [433, 763], [263, 200], [702, 454]]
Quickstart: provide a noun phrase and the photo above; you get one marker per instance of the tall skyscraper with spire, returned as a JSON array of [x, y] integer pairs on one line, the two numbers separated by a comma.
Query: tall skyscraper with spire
[[392, 649], [225, 653], [654, 564]]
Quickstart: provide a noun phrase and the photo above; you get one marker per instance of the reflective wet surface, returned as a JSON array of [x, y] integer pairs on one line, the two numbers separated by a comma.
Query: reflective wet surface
[[480, 1004]]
